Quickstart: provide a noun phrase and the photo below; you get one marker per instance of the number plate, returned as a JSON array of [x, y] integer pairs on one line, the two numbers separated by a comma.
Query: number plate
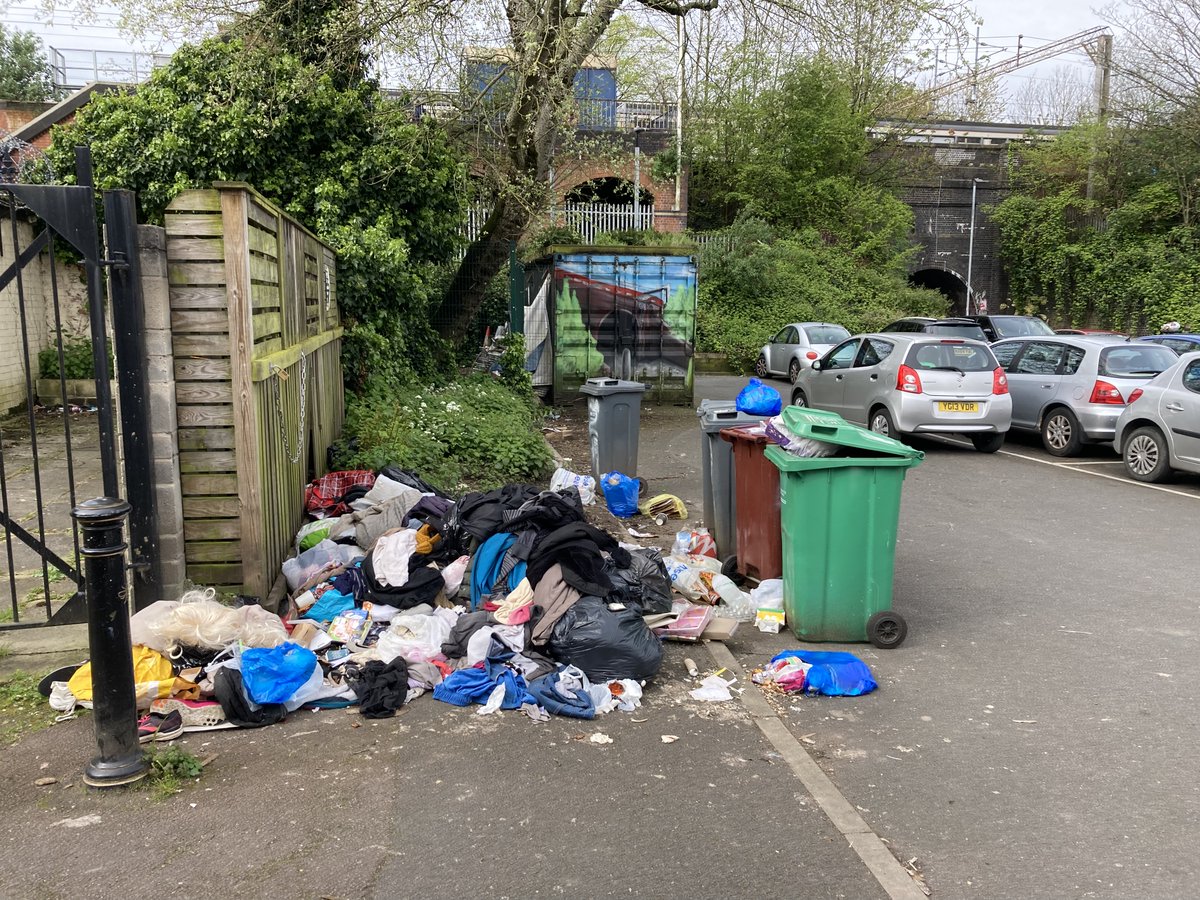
[[954, 406]]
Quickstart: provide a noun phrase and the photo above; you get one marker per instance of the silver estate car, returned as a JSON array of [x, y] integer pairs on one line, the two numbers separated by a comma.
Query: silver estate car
[[795, 347], [1160, 428], [899, 384], [1073, 388]]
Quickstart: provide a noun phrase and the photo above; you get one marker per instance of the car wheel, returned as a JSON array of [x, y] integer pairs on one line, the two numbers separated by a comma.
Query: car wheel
[[794, 370], [988, 443], [760, 367], [881, 423], [799, 398], [1061, 434], [887, 630], [1146, 455]]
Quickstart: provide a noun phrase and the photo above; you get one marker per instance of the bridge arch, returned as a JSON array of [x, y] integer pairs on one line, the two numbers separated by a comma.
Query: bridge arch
[[949, 283], [607, 189]]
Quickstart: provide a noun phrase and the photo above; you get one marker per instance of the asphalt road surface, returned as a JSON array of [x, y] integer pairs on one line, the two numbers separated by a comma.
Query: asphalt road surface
[[1036, 734]]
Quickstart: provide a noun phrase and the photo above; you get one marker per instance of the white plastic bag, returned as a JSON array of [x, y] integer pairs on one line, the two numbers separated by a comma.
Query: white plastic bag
[[686, 576], [768, 594], [565, 478], [453, 574], [713, 689]]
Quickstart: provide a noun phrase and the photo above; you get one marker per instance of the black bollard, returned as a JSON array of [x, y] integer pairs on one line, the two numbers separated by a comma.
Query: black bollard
[[114, 697]]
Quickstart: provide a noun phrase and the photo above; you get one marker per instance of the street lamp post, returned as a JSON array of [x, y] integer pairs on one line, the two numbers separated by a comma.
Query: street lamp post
[[637, 178]]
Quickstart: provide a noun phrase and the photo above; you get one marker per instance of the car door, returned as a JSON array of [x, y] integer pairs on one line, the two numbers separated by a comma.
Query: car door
[[782, 346], [1180, 411], [861, 383], [1033, 380], [825, 387]]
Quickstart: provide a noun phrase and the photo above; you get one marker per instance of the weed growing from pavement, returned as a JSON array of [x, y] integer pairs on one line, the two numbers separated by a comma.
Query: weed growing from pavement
[[22, 708], [169, 768]]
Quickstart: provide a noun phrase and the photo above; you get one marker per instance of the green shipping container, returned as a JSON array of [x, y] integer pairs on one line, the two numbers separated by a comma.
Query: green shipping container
[[839, 516]]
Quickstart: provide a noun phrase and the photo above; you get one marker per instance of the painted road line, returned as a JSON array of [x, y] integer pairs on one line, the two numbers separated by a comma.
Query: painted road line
[[891, 875], [1075, 468], [1094, 462]]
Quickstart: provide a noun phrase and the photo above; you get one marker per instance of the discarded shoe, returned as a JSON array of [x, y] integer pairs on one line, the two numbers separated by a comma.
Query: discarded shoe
[[160, 727], [197, 715]]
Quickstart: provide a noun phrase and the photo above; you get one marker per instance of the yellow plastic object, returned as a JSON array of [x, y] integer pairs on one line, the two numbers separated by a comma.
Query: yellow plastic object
[[152, 674], [664, 505]]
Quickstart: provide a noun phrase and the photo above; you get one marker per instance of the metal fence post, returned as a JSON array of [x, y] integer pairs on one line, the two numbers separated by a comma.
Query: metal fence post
[[119, 759], [129, 343]]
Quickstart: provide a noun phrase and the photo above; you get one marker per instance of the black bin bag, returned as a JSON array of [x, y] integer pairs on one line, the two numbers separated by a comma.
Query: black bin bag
[[606, 643], [644, 582]]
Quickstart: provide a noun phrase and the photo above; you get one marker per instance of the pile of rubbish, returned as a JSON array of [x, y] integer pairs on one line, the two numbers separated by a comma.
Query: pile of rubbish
[[500, 600]]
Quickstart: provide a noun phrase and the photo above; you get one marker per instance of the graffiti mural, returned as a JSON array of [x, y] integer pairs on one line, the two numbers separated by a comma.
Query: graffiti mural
[[626, 315]]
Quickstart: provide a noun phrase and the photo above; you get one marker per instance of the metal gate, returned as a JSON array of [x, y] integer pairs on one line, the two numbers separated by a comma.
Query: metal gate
[[59, 447]]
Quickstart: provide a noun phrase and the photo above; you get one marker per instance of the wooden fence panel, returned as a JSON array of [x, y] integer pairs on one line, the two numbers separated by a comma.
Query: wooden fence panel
[[257, 340]]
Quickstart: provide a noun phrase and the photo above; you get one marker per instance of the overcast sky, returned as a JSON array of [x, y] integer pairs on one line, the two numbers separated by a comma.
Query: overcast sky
[[1039, 20]]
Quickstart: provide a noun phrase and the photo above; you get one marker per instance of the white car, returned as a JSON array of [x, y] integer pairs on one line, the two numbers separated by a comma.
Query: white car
[[795, 347]]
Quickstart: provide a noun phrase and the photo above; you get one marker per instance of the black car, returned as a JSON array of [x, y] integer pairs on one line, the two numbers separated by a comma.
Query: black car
[[957, 328], [997, 328]]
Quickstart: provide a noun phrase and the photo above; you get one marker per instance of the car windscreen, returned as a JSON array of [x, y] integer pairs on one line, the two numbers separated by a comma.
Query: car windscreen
[[951, 356], [970, 332], [826, 334], [1020, 326], [1135, 360]]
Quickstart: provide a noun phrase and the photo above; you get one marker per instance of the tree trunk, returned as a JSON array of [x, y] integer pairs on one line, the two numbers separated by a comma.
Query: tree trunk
[[483, 261]]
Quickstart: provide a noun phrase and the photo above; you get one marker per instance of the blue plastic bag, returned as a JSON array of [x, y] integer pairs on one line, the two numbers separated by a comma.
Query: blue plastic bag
[[833, 673], [759, 399], [620, 493], [273, 675]]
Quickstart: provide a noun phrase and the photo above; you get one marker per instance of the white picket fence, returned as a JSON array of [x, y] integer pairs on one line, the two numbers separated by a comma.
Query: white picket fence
[[589, 219]]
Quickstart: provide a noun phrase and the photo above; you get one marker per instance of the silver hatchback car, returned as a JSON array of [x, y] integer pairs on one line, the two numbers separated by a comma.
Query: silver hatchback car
[[795, 347], [1073, 388], [912, 384], [1160, 428]]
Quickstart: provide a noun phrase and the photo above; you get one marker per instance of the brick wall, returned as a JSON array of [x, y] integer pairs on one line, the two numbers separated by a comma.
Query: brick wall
[[14, 113], [39, 312]]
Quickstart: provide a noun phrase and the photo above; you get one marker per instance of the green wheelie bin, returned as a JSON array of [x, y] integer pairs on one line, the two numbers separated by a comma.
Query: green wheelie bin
[[839, 515]]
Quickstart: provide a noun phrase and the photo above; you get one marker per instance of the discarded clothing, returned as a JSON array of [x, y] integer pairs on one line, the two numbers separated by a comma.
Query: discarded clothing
[[577, 548], [390, 557], [547, 512], [239, 709], [365, 526], [482, 514], [412, 479], [478, 647], [494, 569], [455, 646], [381, 688], [323, 497], [351, 581], [516, 608], [551, 598], [423, 585], [565, 692], [475, 685]]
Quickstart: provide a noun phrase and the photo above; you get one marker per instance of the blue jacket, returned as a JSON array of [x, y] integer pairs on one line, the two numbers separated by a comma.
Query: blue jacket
[[485, 567], [577, 705]]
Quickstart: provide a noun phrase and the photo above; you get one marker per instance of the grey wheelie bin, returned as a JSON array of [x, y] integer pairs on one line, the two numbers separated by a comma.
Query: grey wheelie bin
[[614, 413], [717, 470]]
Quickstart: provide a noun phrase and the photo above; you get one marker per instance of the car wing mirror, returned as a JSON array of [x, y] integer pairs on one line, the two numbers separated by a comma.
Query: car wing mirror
[[816, 365]]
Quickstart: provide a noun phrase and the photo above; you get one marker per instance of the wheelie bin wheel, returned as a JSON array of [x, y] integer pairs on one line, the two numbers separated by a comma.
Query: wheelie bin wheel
[[729, 568], [887, 630]]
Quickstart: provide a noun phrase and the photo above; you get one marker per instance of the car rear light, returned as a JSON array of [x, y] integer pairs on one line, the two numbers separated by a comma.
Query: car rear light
[[999, 381], [1103, 392], [1137, 392], [908, 380], [811, 355]]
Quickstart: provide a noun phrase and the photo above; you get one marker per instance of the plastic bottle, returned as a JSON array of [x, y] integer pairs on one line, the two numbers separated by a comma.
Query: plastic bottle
[[683, 543], [727, 589]]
